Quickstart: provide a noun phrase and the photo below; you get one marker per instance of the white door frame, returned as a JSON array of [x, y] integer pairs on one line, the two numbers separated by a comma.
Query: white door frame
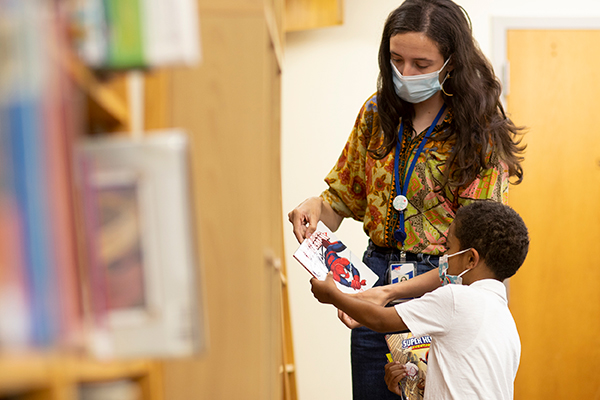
[[500, 26]]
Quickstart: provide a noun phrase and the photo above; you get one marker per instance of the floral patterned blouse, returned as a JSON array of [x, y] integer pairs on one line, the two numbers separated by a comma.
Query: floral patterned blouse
[[363, 188]]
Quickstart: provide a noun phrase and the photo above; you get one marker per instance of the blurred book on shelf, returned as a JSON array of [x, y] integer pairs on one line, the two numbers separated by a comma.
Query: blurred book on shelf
[[39, 305], [138, 218], [124, 34], [15, 320]]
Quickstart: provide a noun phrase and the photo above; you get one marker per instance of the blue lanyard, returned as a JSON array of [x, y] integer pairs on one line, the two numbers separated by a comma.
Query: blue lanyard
[[400, 234]]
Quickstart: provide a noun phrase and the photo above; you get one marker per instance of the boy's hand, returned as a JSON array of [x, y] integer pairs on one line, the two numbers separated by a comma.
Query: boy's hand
[[394, 373], [324, 290]]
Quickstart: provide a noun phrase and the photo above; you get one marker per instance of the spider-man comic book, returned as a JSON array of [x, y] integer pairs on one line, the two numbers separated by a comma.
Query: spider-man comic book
[[323, 252]]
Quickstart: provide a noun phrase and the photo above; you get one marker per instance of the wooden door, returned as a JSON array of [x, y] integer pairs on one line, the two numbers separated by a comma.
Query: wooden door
[[555, 297]]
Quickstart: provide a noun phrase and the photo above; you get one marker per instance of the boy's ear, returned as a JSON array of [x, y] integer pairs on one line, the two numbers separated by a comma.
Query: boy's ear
[[473, 258]]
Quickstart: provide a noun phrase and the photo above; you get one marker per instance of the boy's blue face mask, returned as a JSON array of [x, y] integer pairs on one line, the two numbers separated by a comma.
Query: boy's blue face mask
[[443, 270]]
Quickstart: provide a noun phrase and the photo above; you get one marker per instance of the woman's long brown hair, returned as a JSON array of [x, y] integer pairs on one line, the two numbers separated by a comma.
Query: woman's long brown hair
[[478, 117]]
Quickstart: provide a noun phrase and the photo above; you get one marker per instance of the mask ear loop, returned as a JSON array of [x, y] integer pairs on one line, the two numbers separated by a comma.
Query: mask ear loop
[[442, 85]]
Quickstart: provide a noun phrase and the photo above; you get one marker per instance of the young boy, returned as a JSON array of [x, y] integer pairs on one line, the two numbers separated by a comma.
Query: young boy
[[475, 346]]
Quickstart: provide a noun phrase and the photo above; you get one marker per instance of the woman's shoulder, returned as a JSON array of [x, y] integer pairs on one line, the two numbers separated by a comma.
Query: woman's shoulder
[[371, 104]]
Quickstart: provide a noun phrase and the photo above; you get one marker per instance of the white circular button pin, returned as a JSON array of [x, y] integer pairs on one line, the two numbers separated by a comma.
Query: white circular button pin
[[400, 203]]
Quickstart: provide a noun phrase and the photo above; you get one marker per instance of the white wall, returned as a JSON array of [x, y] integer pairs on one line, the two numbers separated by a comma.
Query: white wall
[[328, 74]]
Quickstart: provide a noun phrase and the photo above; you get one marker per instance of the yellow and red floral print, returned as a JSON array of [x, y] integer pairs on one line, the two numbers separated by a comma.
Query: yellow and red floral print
[[363, 188]]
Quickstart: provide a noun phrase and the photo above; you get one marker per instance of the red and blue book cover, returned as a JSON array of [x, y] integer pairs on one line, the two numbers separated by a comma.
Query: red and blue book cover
[[323, 252]]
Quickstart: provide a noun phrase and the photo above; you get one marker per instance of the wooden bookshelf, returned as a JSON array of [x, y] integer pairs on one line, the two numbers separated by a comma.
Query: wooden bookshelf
[[107, 100], [55, 372], [84, 369], [231, 111], [58, 375], [21, 373]]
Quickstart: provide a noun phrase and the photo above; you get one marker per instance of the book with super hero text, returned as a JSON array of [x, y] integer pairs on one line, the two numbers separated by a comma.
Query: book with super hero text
[[412, 351]]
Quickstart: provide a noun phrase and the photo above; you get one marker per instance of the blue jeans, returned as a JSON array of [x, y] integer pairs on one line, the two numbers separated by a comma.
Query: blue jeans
[[368, 348]]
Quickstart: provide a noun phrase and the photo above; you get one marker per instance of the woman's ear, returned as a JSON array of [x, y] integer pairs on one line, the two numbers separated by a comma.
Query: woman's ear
[[450, 65]]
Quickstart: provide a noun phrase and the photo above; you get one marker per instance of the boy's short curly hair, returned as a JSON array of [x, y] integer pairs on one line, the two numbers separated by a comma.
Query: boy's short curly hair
[[497, 232]]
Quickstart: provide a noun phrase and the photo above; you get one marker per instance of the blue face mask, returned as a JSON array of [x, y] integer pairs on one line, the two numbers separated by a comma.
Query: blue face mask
[[443, 270], [417, 88]]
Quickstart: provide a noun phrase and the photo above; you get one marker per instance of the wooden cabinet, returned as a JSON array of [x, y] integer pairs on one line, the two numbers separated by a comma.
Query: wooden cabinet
[[312, 14], [230, 106]]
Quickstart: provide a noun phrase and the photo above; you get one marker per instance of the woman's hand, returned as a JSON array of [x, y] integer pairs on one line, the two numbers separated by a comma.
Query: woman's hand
[[394, 373], [375, 295], [305, 217]]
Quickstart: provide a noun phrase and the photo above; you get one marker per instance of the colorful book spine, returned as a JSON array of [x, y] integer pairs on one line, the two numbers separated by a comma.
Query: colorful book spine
[[59, 132], [39, 302], [129, 34], [15, 317], [126, 49]]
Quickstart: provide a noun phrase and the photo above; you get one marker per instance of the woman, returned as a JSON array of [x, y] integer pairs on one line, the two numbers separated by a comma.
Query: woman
[[433, 138]]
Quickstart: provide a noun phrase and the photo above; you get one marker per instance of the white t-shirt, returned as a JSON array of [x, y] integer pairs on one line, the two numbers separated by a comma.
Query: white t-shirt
[[475, 346]]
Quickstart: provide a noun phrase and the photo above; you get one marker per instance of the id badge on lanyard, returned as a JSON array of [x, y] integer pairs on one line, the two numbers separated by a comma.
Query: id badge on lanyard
[[400, 271]]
